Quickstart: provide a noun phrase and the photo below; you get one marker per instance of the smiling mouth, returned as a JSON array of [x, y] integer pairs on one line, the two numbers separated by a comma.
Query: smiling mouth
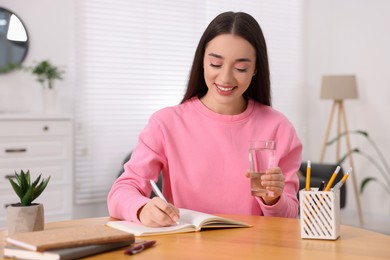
[[224, 89]]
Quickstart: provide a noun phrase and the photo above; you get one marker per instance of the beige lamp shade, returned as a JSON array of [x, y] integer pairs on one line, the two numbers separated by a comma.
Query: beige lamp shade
[[339, 87]]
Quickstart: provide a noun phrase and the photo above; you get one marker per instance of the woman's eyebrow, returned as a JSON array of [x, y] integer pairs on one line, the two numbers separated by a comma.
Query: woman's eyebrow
[[221, 57], [215, 55], [244, 60]]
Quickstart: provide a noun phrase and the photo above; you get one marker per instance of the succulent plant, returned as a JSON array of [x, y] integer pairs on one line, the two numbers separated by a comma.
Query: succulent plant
[[27, 191]]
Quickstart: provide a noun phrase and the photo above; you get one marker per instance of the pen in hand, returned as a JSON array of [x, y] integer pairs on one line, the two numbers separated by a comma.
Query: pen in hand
[[157, 191], [138, 247]]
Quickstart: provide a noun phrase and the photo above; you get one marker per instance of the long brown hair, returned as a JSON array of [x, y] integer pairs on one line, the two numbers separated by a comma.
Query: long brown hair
[[239, 24]]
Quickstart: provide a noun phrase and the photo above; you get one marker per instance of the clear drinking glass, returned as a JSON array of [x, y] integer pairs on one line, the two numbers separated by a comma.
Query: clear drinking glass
[[261, 157]]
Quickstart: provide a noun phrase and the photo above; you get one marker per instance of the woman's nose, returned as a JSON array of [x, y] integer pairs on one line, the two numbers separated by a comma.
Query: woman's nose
[[226, 76]]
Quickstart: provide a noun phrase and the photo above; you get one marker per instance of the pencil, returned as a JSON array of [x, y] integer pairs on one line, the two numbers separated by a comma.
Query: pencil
[[330, 182], [345, 177], [308, 173]]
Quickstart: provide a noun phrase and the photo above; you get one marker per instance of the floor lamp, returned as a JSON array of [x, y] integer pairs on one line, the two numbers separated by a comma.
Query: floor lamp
[[338, 88]]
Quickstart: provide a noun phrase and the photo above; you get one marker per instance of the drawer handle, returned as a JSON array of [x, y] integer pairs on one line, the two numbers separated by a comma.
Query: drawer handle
[[10, 176], [16, 150]]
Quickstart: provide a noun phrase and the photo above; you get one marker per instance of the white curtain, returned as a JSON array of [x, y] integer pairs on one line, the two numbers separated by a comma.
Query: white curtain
[[133, 58]]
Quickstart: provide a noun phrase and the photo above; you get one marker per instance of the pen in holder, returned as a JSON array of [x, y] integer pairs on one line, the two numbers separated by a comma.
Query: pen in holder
[[319, 214]]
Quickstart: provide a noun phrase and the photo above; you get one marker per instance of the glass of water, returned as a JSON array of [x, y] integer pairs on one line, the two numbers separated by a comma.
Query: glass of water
[[261, 157]]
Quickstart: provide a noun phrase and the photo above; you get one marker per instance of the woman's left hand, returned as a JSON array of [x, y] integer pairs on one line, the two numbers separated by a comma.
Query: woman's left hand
[[273, 180]]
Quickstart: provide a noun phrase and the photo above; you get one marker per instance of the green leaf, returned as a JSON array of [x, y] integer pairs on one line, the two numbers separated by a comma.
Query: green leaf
[[24, 180], [338, 137], [17, 177], [345, 156], [16, 188], [365, 133], [41, 187], [365, 182], [26, 200], [9, 67], [35, 183]]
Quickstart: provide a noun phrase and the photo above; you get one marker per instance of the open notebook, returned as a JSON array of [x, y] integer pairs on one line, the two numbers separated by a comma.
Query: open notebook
[[190, 221]]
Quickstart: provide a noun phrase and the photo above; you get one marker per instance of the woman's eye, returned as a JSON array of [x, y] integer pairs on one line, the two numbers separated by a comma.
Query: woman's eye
[[215, 65], [241, 70]]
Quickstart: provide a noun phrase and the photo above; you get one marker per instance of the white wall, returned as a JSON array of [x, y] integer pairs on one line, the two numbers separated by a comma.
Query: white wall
[[344, 37], [50, 29]]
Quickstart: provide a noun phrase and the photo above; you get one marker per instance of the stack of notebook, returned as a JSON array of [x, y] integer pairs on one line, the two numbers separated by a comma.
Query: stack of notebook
[[66, 243]]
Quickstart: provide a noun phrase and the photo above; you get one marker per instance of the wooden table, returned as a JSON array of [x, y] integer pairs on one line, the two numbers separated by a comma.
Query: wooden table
[[269, 238]]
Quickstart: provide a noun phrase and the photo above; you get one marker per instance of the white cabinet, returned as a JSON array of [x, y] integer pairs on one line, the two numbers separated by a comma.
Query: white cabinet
[[43, 145]]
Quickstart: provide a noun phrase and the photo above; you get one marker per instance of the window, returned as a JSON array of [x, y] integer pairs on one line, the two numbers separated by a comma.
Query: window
[[134, 57]]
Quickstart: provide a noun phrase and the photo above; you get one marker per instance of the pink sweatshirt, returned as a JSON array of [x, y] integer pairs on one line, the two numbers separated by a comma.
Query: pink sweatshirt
[[204, 156]]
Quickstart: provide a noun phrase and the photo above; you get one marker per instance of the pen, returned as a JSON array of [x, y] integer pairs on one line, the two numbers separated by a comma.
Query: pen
[[322, 185], [138, 247], [330, 182], [159, 193], [308, 173]]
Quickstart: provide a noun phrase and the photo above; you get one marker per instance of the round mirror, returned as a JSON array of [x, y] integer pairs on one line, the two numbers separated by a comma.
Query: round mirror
[[13, 40]]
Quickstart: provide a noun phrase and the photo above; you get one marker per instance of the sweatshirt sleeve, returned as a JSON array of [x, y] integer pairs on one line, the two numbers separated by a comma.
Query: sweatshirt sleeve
[[289, 149], [132, 189]]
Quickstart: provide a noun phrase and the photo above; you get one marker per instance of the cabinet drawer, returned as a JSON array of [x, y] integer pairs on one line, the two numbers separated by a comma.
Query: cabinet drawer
[[60, 173], [35, 128], [48, 149]]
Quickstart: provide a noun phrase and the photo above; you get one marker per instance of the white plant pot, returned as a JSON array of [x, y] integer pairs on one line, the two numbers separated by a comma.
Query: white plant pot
[[25, 219], [50, 100]]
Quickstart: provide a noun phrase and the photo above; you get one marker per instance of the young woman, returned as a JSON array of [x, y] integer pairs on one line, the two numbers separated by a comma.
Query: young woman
[[201, 145]]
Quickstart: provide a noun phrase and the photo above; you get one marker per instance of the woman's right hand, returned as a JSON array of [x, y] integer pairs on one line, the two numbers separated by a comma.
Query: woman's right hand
[[158, 213]]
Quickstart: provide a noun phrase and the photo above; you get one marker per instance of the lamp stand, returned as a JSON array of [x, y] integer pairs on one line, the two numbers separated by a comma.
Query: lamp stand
[[342, 121]]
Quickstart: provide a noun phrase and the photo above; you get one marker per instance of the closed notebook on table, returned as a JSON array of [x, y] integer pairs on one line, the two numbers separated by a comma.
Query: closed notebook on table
[[68, 237], [63, 253], [190, 221]]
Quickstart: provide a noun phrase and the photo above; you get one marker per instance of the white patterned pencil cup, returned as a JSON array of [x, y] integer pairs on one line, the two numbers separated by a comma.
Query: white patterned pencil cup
[[319, 214]]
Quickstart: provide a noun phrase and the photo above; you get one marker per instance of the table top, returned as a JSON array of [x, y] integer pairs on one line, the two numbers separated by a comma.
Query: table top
[[270, 237]]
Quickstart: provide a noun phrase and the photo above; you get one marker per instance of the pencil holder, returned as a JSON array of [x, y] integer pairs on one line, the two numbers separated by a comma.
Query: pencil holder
[[320, 214]]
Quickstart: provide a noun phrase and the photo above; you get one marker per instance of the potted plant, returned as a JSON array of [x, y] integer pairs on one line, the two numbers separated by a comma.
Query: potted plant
[[26, 216], [382, 166], [46, 73]]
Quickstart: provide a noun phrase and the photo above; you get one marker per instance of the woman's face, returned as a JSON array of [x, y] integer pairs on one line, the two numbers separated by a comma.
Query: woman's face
[[229, 64]]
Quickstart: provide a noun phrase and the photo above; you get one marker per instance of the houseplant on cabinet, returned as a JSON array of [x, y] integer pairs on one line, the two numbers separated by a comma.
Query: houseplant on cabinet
[[26, 216], [46, 73]]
